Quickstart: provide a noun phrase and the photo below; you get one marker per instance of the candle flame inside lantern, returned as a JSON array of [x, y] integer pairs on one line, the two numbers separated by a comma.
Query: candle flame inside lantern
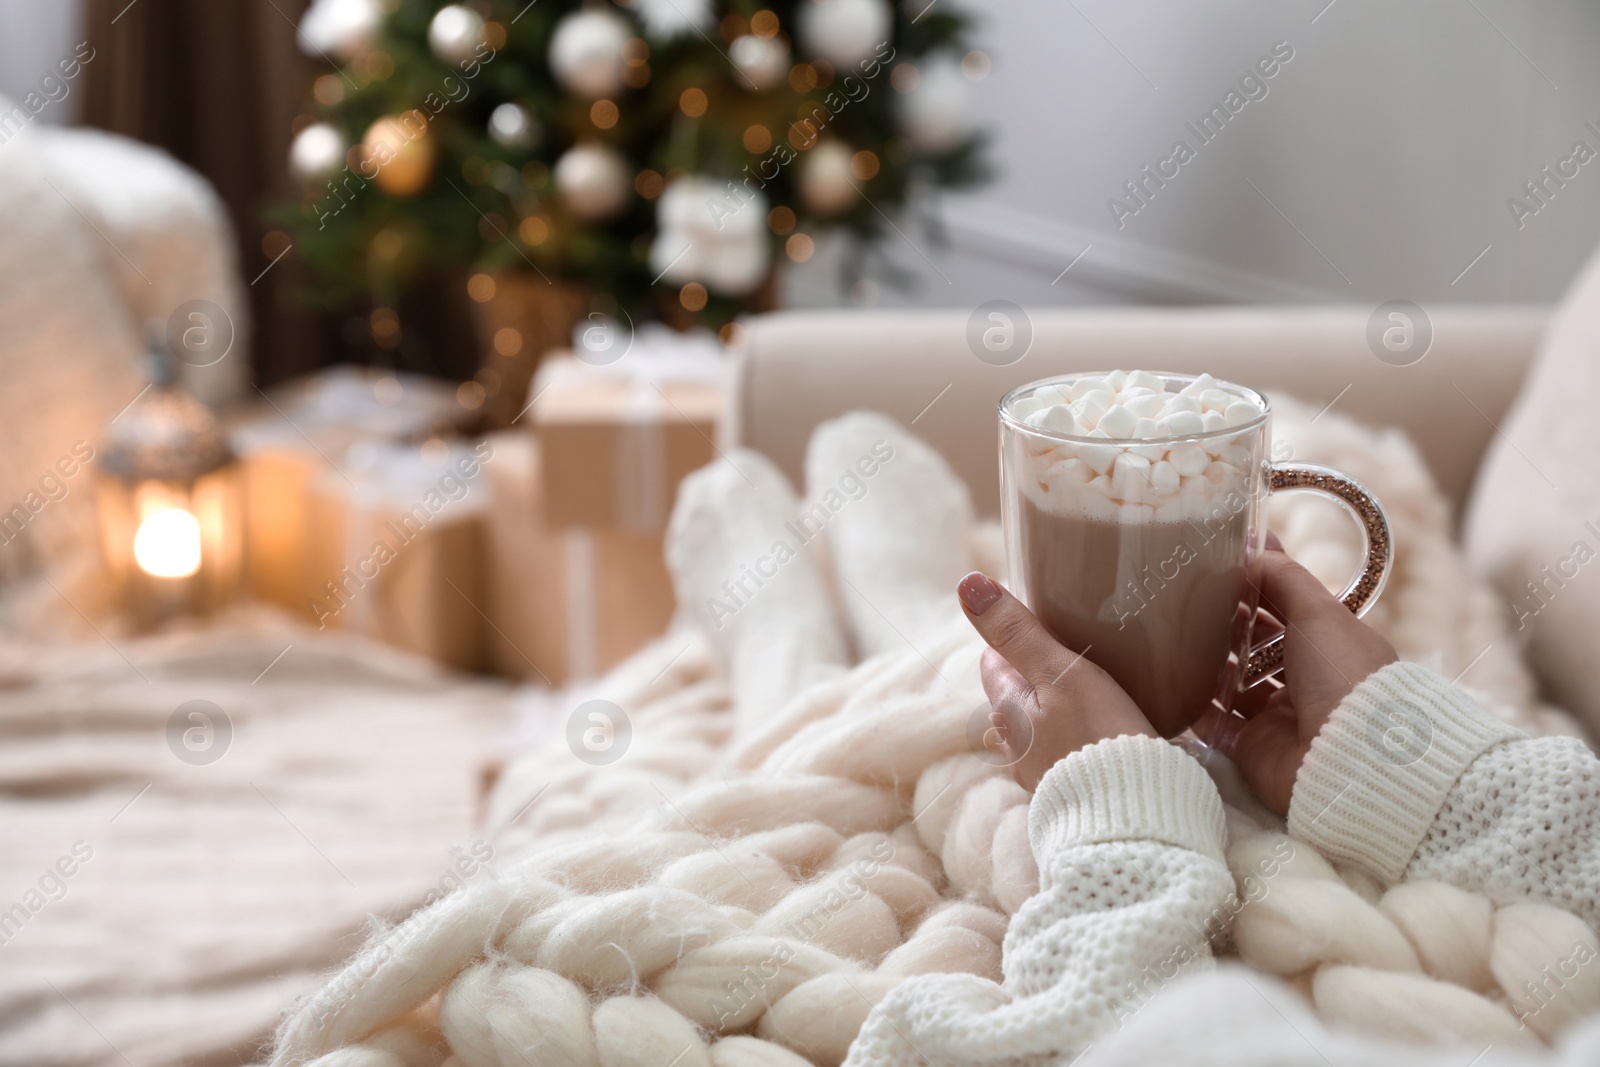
[[168, 543]]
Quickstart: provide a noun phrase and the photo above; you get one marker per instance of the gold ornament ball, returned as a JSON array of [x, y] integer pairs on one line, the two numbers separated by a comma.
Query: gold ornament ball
[[825, 182], [398, 154]]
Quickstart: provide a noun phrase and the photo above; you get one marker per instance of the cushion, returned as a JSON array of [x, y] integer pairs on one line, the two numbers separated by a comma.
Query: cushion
[[1533, 521]]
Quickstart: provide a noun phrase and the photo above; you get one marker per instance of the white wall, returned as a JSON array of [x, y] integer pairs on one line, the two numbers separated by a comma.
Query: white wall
[[1389, 146], [34, 36]]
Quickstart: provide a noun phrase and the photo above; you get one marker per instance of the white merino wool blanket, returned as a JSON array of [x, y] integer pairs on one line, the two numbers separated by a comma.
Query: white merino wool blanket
[[760, 840]]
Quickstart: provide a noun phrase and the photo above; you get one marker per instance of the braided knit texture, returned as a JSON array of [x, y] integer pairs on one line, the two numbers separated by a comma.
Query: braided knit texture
[[745, 889]]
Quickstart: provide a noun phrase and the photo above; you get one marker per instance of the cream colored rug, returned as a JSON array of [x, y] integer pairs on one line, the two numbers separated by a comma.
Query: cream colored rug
[[204, 897]]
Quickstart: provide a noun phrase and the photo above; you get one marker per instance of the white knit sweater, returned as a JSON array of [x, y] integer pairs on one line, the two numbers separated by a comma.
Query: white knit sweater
[[1129, 836]]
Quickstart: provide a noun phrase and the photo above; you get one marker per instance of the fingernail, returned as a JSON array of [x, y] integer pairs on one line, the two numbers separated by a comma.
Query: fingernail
[[978, 592]]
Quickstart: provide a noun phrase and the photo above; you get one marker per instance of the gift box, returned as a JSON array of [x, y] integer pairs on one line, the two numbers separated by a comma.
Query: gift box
[[565, 602], [616, 439], [399, 551], [302, 431]]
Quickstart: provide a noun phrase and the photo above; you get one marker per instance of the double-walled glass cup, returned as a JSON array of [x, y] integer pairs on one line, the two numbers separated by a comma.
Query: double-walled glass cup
[[1135, 551]]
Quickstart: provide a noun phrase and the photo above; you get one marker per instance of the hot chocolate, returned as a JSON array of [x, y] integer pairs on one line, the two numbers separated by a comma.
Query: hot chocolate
[[1153, 603], [1132, 510]]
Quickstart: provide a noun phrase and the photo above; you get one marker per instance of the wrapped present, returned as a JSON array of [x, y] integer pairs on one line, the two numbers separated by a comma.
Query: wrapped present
[[399, 551], [616, 439], [302, 431], [565, 602]]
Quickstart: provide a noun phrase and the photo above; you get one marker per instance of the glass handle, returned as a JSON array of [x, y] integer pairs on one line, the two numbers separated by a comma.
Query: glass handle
[[1266, 659]]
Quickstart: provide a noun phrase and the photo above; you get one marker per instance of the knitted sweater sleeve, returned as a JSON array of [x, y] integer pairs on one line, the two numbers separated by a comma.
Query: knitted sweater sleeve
[[1410, 779], [1129, 837]]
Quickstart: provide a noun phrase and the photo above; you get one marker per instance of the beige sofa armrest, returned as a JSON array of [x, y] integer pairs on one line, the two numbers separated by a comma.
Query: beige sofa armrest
[[801, 368]]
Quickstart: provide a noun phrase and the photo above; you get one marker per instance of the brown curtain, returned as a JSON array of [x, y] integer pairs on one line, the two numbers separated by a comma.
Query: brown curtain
[[219, 84]]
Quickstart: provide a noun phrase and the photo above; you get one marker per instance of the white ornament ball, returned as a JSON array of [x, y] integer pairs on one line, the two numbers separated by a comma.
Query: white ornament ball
[[711, 232], [594, 181], [316, 153], [936, 115], [666, 19], [762, 60], [586, 53], [341, 29], [513, 126], [844, 32], [825, 185], [455, 33]]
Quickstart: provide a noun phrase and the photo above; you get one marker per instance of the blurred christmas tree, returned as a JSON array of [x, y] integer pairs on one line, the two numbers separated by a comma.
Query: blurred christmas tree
[[663, 153]]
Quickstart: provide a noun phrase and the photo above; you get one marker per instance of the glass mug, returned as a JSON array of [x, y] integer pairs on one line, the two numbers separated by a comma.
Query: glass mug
[[1135, 551]]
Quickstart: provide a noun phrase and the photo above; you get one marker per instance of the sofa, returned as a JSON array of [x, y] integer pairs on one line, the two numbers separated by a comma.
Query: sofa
[[798, 369]]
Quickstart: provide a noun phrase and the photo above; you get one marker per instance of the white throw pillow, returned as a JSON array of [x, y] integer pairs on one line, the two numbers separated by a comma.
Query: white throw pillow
[[1533, 523]]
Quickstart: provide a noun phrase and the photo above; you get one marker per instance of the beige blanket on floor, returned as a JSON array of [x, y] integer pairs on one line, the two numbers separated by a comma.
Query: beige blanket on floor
[[205, 898]]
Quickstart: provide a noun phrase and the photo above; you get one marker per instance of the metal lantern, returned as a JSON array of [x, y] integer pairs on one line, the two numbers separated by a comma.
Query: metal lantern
[[171, 504]]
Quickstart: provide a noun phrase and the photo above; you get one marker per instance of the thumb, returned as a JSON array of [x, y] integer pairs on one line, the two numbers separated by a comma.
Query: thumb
[[1291, 592], [1011, 629]]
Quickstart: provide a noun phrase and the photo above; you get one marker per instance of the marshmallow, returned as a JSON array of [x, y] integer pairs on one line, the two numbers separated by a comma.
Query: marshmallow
[[1098, 457], [1240, 412], [1147, 406], [1181, 424], [1024, 407], [1050, 395], [1130, 476], [1189, 459], [1125, 466], [1117, 422], [1070, 472], [1084, 386], [1057, 419], [1144, 431], [1090, 407]]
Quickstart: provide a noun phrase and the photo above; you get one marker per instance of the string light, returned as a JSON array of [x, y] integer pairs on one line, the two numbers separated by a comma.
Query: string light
[[692, 296], [604, 114]]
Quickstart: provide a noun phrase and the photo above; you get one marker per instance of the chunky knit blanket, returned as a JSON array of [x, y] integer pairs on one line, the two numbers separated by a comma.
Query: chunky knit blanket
[[738, 844]]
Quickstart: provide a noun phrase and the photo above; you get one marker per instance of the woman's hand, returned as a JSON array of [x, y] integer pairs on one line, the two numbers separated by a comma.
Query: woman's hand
[[1048, 701], [1327, 653]]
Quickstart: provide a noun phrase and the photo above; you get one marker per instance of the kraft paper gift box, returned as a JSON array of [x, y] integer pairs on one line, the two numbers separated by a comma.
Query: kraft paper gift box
[[565, 602], [289, 441], [616, 440], [398, 553]]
